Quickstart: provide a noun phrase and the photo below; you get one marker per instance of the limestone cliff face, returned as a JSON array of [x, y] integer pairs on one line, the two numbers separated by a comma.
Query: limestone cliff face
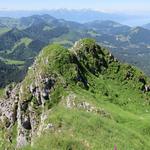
[[29, 114], [16, 109], [8, 106]]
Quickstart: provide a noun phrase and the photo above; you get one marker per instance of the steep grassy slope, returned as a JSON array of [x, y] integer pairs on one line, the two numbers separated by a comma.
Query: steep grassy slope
[[82, 98], [105, 107]]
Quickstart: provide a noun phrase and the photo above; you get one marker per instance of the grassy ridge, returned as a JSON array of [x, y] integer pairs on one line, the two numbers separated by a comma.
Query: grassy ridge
[[116, 91], [96, 102]]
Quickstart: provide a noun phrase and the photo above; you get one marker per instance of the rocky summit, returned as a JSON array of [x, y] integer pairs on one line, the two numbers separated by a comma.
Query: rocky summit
[[77, 98]]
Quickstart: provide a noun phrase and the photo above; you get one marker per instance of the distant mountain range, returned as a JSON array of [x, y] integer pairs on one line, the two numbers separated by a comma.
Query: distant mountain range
[[147, 26], [21, 39], [82, 16]]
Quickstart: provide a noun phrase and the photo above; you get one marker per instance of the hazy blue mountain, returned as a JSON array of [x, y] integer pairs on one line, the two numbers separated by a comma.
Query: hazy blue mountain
[[108, 27], [9, 22], [139, 35], [2, 25], [85, 15], [82, 16], [147, 26]]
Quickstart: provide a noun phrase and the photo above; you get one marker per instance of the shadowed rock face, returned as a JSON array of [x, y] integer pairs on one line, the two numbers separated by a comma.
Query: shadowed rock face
[[26, 124]]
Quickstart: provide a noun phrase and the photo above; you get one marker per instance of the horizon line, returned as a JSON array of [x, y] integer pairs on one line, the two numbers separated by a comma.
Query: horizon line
[[75, 9]]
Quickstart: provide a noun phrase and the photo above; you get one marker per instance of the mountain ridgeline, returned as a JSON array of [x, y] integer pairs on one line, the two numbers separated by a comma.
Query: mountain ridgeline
[[21, 40], [77, 98]]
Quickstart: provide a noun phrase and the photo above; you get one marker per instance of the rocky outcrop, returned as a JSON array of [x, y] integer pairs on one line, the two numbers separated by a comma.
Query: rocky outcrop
[[71, 103], [147, 88], [26, 113], [30, 112], [8, 107]]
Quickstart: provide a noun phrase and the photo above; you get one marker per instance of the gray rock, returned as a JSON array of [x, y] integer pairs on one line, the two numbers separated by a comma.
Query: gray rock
[[24, 106]]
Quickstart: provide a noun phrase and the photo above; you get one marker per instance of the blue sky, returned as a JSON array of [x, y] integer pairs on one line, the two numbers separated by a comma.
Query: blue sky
[[126, 6]]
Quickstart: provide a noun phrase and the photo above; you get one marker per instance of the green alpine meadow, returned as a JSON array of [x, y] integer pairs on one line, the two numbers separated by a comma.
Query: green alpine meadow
[[77, 98]]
